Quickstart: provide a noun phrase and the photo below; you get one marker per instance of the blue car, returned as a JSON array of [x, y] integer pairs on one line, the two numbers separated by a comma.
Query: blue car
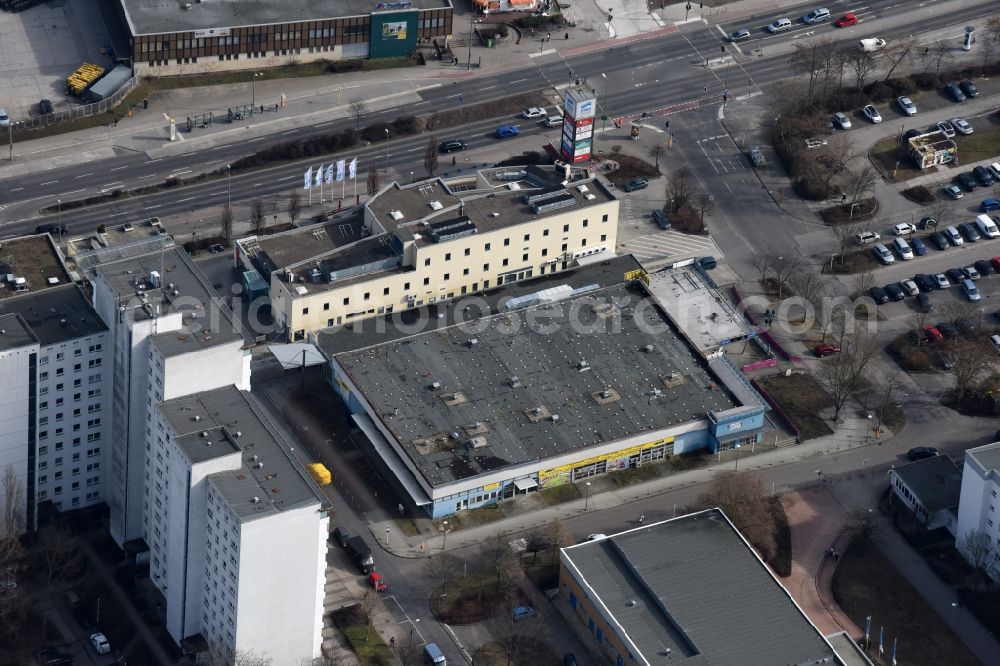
[[989, 205], [506, 131], [919, 247]]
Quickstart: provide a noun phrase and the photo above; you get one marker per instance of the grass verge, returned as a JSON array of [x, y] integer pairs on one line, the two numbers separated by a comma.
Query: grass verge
[[566, 492], [467, 600], [802, 399], [866, 583], [366, 642]]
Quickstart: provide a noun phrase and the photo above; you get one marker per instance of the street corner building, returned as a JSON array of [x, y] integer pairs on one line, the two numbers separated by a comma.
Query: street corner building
[[169, 38], [690, 590], [540, 383]]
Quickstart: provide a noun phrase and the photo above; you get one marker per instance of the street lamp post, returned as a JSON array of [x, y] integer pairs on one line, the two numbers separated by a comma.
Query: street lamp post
[[229, 186], [253, 91], [738, 457], [604, 119], [59, 213], [586, 501], [444, 543], [387, 150]]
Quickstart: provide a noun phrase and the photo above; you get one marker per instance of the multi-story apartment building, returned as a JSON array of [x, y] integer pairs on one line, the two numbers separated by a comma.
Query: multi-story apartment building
[[55, 389], [432, 241], [979, 509], [237, 529], [171, 335]]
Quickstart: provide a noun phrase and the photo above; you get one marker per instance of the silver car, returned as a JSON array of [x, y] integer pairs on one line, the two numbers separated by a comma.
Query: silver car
[[962, 125], [4, 118], [907, 105], [842, 121], [739, 36]]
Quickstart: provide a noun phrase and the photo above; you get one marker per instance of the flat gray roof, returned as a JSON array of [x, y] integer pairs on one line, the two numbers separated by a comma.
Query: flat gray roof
[[57, 314], [379, 330], [563, 354], [986, 457], [693, 586], [295, 246], [34, 258], [936, 481], [209, 320], [157, 16], [220, 422], [14, 333]]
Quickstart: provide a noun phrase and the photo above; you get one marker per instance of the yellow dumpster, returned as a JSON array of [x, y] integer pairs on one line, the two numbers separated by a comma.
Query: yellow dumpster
[[320, 473]]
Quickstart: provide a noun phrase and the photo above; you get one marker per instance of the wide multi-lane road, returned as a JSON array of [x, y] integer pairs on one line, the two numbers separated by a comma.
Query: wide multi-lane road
[[659, 75]]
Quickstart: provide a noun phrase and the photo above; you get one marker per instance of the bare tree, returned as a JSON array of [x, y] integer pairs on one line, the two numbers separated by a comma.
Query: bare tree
[[972, 361], [431, 156], [988, 49], [861, 65], [12, 516], [442, 568], [808, 284], [978, 549], [939, 54], [784, 267], [845, 235], [811, 57], [656, 151], [762, 264], [258, 219], [941, 211], [373, 183], [993, 28], [680, 189], [365, 609], [498, 555], [59, 552], [519, 642], [863, 281], [407, 651], [559, 535], [226, 224], [898, 52], [860, 183], [706, 204], [745, 500], [358, 108], [843, 375], [219, 656], [294, 206]]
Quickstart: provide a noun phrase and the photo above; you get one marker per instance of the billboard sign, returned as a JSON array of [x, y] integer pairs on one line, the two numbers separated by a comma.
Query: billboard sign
[[394, 30]]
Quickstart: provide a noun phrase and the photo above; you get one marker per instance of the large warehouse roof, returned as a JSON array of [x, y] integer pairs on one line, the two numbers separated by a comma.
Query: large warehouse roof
[[529, 384]]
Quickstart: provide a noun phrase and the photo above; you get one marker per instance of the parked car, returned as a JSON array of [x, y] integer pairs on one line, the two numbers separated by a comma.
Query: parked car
[[781, 25], [867, 237], [534, 112], [524, 613], [969, 88], [816, 16], [895, 291], [906, 105], [967, 181], [989, 205], [970, 290], [451, 145], [341, 536], [953, 236], [841, 121], [952, 90], [970, 232], [52, 228], [740, 35], [955, 275], [878, 295], [983, 175], [995, 170], [948, 329], [597, 536], [871, 113], [910, 287], [953, 191], [377, 582], [947, 129], [984, 267], [932, 334], [45, 107], [961, 125], [903, 229], [100, 643], [995, 339], [942, 280], [940, 240], [882, 254], [847, 20], [636, 184], [924, 282], [970, 272], [661, 219], [927, 223], [505, 131], [553, 121], [4, 118], [921, 452], [902, 248], [996, 263], [919, 248], [216, 248], [924, 303], [826, 349]]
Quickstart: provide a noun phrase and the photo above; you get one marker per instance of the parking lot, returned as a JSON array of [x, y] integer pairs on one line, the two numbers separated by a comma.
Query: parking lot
[[41, 46]]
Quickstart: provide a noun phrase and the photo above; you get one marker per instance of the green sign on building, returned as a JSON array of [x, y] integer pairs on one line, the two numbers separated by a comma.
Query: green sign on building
[[394, 33]]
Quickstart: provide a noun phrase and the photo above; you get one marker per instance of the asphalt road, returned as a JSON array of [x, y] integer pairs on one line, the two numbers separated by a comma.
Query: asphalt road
[[660, 76]]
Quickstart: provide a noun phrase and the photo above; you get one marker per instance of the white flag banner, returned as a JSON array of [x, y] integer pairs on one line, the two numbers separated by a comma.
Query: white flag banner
[[340, 170], [319, 176], [352, 169], [329, 173], [309, 178]]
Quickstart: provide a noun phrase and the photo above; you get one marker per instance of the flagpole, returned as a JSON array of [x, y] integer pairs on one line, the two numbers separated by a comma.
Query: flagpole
[[323, 178]]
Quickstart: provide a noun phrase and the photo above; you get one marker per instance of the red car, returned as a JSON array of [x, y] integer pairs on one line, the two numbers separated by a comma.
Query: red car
[[848, 19], [996, 263], [826, 349], [378, 583], [932, 334]]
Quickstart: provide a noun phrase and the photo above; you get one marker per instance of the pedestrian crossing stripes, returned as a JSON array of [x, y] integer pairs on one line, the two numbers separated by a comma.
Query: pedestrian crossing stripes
[[671, 245]]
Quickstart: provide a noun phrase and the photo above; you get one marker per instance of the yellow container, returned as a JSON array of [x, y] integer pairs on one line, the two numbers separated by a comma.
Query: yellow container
[[320, 473]]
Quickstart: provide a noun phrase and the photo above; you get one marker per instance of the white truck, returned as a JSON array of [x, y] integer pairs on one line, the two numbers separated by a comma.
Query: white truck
[[873, 45]]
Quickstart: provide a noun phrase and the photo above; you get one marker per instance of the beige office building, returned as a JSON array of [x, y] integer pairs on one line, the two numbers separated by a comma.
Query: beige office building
[[439, 239]]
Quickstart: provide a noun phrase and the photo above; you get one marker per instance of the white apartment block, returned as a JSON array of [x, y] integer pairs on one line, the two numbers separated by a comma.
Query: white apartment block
[[56, 412], [237, 529], [432, 241], [170, 336], [979, 506]]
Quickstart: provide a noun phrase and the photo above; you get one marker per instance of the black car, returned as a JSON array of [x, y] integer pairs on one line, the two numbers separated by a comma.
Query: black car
[[53, 228], [965, 325], [927, 223], [924, 303], [969, 231], [910, 133], [983, 175], [83, 618], [45, 107], [969, 88], [948, 329], [955, 275], [341, 536], [918, 246], [451, 145], [924, 282], [921, 452], [878, 295], [53, 657], [895, 291], [984, 267], [953, 91], [939, 240], [569, 659], [966, 181]]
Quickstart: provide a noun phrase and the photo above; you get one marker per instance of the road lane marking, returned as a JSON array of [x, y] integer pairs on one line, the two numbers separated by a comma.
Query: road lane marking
[[120, 168], [51, 182], [17, 189], [188, 199], [107, 185], [68, 193], [152, 207]]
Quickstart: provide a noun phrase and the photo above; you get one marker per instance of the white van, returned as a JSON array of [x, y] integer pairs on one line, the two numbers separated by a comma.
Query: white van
[[969, 287], [872, 45], [953, 236], [433, 655], [903, 248], [987, 226], [995, 170], [882, 253]]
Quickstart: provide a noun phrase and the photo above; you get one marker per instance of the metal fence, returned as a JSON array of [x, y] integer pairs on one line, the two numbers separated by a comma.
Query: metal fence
[[82, 111]]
